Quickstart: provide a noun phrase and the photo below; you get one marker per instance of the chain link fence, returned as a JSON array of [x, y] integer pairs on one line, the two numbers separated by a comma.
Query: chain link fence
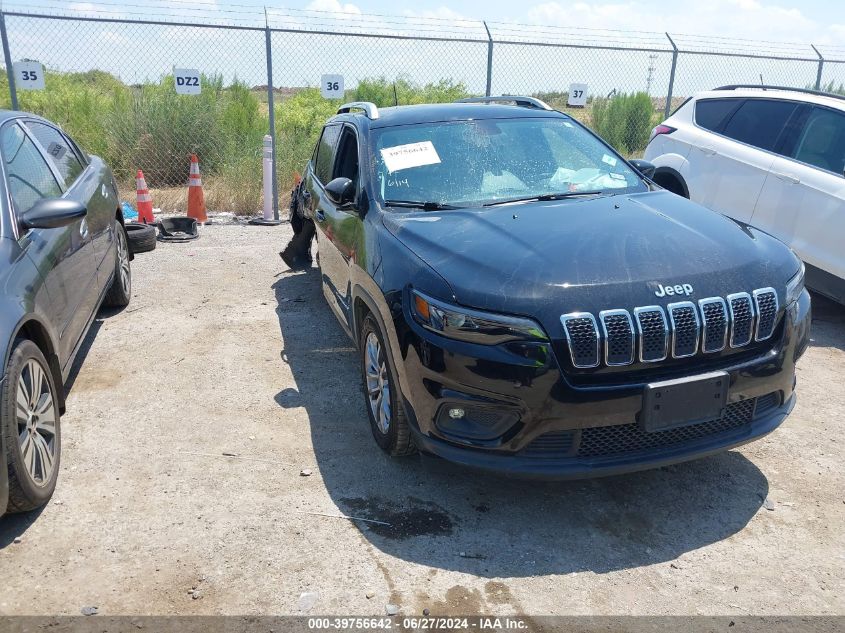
[[110, 83]]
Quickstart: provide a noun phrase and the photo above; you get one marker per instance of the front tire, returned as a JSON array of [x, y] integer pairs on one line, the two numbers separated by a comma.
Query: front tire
[[381, 391], [31, 427], [120, 292]]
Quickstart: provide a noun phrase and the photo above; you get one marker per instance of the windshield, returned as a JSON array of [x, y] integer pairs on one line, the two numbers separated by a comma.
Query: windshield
[[469, 163]]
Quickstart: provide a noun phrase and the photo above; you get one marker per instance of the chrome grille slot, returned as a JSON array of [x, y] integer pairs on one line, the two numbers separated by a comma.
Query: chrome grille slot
[[766, 302], [714, 330], [685, 328], [653, 332], [742, 318], [618, 333], [582, 336]]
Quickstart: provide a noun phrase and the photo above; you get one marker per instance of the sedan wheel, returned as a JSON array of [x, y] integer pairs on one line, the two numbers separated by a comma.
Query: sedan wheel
[[31, 427], [36, 418]]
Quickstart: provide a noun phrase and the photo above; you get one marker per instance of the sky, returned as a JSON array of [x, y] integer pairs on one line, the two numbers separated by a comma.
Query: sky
[[138, 53], [817, 21]]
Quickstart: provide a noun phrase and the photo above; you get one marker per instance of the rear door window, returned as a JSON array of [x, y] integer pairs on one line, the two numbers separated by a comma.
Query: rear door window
[[61, 151], [711, 113], [325, 153], [29, 176], [822, 142], [759, 122]]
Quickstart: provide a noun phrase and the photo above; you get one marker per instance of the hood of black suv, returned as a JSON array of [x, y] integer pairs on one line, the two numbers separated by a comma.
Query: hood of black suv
[[544, 259]]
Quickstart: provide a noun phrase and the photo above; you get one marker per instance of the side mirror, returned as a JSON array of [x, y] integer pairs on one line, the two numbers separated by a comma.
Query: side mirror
[[644, 167], [52, 213], [341, 191]]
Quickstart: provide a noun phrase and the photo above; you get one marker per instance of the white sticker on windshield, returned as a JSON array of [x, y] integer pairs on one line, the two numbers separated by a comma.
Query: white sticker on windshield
[[609, 160], [568, 124], [411, 155]]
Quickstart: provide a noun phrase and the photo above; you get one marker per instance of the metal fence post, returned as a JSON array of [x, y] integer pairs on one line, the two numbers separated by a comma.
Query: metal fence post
[[10, 73], [668, 108], [269, 54], [821, 67], [489, 58]]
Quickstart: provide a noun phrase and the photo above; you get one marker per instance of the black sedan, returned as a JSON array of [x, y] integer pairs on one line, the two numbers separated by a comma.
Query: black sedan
[[63, 253]]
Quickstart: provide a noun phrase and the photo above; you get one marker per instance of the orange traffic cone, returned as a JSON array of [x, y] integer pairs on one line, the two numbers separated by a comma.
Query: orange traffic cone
[[144, 199], [196, 198]]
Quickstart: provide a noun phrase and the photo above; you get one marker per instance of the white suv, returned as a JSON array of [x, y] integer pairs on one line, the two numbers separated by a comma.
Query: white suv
[[768, 156]]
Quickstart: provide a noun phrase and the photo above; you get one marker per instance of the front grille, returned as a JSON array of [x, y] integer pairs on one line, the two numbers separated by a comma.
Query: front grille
[[653, 332], [550, 445], [742, 318], [684, 319], [622, 439], [684, 329], [714, 317], [766, 300], [618, 336], [583, 338]]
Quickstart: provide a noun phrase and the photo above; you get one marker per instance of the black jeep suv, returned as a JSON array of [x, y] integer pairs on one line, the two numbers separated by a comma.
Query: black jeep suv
[[525, 300]]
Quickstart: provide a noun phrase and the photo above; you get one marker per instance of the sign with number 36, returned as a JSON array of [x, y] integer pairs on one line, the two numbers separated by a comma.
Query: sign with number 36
[[29, 75], [331, 86]]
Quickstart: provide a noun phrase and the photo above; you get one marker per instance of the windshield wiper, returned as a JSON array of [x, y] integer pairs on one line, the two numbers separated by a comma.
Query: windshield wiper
[[546, 197], [425, 206]]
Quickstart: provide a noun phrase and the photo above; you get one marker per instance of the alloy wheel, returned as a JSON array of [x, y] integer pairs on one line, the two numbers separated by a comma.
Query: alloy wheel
[[36, 418], [378, 382], [123, 260]]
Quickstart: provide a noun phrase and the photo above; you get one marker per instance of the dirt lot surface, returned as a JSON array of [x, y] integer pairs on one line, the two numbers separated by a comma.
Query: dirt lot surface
[[222, 351]]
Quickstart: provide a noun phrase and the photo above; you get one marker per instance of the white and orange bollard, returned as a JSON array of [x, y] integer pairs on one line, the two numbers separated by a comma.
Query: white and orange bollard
[[196, 197], [144, 200]]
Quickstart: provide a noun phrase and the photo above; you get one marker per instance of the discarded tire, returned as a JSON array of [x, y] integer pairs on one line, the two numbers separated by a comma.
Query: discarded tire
[[142, 237], [177, 229]]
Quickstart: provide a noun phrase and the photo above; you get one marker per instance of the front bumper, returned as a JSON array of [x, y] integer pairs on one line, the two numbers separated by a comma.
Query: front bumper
[[542, 424]]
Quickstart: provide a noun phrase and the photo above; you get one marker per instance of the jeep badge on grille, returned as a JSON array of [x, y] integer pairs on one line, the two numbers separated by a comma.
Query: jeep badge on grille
[[672, 291]]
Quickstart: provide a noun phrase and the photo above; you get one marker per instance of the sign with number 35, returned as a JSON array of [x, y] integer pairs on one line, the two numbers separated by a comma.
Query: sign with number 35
[[331, 86], [29, 75]]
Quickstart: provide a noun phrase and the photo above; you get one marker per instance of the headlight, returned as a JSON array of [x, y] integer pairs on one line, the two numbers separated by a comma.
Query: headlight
[[472, 325], [795, 286]]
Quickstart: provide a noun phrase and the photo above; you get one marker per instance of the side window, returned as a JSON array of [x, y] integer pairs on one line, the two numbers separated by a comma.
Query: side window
[[325, 153], [29, 176], [822, 143], [346, 165], [759, 122], [711, 113], [59, 149]]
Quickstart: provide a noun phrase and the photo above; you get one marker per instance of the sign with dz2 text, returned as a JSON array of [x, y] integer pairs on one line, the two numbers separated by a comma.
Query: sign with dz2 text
[[187, 81], [29, 75]]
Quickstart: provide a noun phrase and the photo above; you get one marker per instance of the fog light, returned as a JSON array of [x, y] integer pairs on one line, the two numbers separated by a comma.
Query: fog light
[[456, 414]]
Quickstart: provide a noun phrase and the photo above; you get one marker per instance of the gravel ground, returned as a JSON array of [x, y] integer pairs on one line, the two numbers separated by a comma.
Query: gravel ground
[[224, 352]]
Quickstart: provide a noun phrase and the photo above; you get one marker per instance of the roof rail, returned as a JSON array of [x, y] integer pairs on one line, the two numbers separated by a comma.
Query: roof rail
[[808, 91], [370, 109], [524, 102]]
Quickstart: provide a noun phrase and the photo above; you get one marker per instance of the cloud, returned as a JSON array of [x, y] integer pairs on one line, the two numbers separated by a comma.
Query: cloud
[[745, 19], [335, 7]]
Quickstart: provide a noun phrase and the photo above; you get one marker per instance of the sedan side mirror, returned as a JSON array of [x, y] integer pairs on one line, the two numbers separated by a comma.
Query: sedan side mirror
[[341, 191], [644, 167], [52, 213]]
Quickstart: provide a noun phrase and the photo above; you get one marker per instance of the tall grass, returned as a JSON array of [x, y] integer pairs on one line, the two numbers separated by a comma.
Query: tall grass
[[624, 121]]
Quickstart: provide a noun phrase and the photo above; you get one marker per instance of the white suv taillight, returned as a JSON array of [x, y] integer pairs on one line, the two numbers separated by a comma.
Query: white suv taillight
[[660, 129]]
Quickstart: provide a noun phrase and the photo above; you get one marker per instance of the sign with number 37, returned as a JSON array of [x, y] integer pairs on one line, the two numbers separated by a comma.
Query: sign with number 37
[[29, 75]]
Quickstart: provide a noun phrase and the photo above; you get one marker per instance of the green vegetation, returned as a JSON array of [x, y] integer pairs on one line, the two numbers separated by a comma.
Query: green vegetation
[[150, 127], [624, 121]]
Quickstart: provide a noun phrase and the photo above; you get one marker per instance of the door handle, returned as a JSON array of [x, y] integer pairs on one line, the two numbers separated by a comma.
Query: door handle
[[83, 228], [787, 178], [320, 215], [708, 151]]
